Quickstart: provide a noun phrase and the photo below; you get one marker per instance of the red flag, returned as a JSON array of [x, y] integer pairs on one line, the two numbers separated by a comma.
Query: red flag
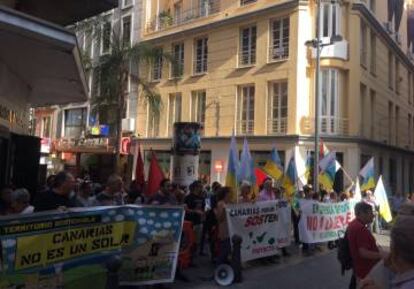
[[139, 169], [155, 176], [260, 176]]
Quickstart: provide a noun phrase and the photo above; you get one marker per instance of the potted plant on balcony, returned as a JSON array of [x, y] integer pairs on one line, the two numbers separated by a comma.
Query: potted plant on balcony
[[165, 18]]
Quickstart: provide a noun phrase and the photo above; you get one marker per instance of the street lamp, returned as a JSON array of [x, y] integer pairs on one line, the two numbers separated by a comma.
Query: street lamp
[[318, 45]]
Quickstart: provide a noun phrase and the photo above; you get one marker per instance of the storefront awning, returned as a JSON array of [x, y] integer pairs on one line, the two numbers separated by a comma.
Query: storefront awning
[[45, 57], [64, 12]]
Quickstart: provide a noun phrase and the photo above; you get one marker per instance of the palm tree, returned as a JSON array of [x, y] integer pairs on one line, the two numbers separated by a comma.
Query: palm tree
[[113, 71]]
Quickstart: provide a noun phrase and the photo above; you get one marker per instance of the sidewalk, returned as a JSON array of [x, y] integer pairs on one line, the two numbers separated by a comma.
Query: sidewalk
[[201, 276]]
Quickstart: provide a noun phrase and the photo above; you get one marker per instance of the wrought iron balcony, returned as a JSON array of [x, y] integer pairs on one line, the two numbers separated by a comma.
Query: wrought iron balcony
[[328, 126], [245, 127], [277, 126], [167, 19]]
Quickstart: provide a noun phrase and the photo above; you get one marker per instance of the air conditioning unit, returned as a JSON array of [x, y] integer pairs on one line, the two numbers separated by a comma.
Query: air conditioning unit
[[388, 27], [128, 124], [398, 38]]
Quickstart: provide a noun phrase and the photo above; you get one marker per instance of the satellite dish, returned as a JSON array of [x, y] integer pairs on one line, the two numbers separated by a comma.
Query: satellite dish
[[224, 275]]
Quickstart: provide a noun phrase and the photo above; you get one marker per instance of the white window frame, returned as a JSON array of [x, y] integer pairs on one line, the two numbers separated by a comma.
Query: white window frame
[[277, 125], [363, 53], [246, 126], [157, 66], [151, 132], [281, 54], [180, 60], [250, 50], [203, 61], [102, 52], [131, 15], [330, 98], [123, 5], [174, 111], [331, 19], [198, 106]]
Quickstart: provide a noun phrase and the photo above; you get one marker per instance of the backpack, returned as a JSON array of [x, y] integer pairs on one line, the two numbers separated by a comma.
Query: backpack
[[344, 254]]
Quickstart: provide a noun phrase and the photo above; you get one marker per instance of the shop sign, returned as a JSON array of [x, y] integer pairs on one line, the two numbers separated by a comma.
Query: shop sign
[[45, 143], [125, 145]]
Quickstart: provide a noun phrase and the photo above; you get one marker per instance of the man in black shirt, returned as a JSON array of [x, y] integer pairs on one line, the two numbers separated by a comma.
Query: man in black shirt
[[164, 196], [58, 195], [195, 204]]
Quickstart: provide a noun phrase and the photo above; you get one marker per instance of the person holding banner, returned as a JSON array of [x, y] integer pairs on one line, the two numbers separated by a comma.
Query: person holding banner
[[112, 195], [363, 248], [58, 196], [266, 194], [20, 202], [245, 190], [223, 198]]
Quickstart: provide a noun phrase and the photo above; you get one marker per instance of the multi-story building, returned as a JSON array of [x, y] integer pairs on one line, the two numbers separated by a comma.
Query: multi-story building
[[77, 142], [39, 65], [243, 67]]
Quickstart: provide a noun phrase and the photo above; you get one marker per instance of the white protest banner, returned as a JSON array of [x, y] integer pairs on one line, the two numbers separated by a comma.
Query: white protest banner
[[264, 227], [323, 222], [283, 225]]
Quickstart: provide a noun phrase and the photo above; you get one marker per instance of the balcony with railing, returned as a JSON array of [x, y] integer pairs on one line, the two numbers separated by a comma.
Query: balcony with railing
[[245, 127], [277, 126], [328, 126], [167, 19]]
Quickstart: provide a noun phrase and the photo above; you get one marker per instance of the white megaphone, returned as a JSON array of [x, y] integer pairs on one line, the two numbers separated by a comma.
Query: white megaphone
[[224, 275]]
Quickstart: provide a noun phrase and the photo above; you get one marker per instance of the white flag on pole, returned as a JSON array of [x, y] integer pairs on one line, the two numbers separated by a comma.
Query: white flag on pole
[[382, 200], [357, 192]]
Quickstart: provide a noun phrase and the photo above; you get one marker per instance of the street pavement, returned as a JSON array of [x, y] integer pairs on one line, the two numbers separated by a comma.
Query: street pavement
[[320, 271]]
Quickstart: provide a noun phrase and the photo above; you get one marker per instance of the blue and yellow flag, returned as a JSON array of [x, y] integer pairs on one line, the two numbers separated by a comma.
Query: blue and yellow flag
[[290, 178], [246, 170], [308, 166], [382, 200], [328, 168], [273, 167], [232, 169], [368, 174]]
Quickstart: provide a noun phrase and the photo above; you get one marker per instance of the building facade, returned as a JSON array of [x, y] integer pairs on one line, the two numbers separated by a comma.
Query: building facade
[[80, 143], [50, 74], [243, 67]]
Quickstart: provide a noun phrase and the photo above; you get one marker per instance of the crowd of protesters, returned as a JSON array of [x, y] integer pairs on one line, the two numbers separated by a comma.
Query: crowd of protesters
[[205, 206]]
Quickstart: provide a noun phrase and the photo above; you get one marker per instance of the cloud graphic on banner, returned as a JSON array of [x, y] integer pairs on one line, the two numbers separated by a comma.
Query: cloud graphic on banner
[[167, 225]]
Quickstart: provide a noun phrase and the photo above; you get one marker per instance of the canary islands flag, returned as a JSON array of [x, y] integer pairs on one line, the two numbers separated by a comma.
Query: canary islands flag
[[246, 170], [367, 174], [308, 166], [232, 169], [328, 167], [273, 167], [290, 178], [382, 200]]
